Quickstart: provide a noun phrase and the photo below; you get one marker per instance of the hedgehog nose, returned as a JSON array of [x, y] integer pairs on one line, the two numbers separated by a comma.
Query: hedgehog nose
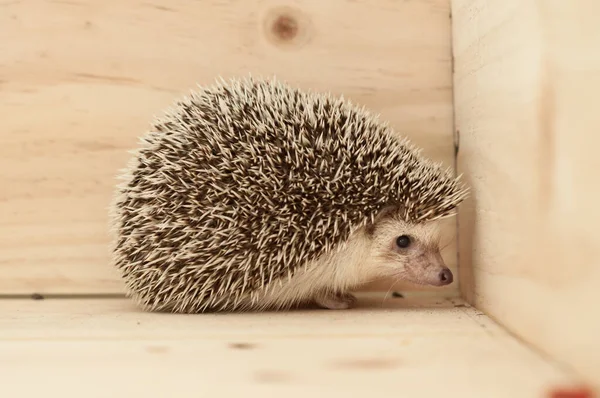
[[445, 276]]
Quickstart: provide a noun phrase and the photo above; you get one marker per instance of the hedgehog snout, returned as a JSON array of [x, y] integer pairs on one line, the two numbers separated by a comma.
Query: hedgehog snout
[[429, 268], [445, 276]]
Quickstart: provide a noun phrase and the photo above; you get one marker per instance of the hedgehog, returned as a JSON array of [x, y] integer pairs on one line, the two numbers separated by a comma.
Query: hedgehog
[[251, 195]]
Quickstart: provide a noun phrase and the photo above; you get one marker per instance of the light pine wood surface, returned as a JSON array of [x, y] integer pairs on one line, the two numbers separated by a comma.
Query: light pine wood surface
[[527, 89], [80, 80], [423, 347]]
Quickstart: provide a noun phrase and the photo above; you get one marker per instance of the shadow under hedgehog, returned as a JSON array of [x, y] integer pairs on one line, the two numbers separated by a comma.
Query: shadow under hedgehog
[[252, 195]]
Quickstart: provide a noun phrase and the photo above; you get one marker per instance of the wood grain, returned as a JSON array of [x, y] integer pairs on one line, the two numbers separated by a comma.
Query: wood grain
[[527, 86], [424, 348], [80, 80]]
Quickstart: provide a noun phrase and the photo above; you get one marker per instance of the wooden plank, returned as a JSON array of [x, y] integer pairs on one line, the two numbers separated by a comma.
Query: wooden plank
[[422, 347], [81, 79], [527, 86]]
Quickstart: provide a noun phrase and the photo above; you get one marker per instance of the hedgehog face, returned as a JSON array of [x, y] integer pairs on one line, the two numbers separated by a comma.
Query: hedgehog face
[[410, 252]]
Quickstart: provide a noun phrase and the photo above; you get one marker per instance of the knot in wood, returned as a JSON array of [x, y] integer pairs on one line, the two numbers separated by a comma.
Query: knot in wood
[[285, 27]]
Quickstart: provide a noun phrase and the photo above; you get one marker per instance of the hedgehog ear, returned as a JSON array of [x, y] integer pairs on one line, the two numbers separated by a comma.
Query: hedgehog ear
[[385, 212]]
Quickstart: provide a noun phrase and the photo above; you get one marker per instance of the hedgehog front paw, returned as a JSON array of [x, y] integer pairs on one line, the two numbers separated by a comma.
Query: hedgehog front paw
[[333, 301]]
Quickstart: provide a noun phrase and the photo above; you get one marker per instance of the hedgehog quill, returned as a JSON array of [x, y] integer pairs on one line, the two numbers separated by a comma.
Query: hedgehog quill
[[252, 195]]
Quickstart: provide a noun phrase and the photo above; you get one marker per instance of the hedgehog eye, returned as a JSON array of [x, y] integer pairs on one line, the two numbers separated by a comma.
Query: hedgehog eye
[[403, 241]]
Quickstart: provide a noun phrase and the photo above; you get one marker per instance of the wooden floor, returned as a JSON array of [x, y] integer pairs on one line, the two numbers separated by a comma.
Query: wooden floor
[[419, 347]]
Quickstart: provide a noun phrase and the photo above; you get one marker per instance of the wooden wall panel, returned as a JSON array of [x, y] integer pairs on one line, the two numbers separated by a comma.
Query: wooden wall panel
[[527, 89], [81, 79]]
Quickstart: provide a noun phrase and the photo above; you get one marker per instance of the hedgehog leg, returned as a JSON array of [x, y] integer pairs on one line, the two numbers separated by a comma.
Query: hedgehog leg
[[335, 301]]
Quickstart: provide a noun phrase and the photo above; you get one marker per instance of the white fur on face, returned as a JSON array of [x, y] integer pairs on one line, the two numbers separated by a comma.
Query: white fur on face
[[419, 263], [365, 257]]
